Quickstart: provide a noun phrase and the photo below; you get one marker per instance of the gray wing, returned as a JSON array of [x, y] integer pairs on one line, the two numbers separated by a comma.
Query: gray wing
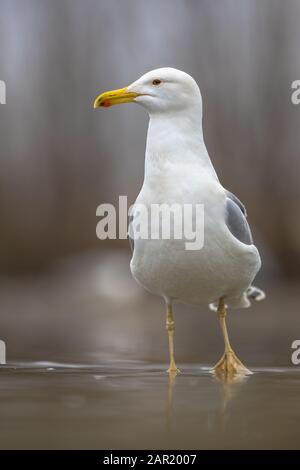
[[131, 240], [131, 244], [236, 219], [235, 199]]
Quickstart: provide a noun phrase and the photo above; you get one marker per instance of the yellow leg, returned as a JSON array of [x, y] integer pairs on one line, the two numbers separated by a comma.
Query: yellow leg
[[170, 325], [229, 365]]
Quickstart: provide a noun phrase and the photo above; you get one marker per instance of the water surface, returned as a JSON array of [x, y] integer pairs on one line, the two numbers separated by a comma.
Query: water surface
[[121, 405]]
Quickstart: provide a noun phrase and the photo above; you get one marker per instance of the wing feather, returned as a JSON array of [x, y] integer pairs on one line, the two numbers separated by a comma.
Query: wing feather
[[236, 219]]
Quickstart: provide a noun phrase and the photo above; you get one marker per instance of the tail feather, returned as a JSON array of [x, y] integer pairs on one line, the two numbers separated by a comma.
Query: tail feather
[[254, 293], [244, 301]]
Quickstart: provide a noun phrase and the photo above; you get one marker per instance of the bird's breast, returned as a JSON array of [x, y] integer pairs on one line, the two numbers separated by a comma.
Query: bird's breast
[[165, 266]]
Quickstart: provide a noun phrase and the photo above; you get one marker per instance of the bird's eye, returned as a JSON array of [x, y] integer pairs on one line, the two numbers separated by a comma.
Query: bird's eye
[[156, 82]]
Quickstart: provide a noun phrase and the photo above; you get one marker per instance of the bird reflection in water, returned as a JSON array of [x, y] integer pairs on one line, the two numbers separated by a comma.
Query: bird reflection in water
[[170, 398], [230, 384]]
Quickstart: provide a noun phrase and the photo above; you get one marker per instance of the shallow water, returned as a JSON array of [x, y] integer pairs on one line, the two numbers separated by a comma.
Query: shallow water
[[136, 405]]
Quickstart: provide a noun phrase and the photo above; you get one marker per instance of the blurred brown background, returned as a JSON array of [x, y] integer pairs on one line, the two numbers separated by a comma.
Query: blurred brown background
[[66, 296]]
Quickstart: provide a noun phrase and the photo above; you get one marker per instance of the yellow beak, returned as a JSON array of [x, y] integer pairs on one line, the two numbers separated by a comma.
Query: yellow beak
[[109, 98]]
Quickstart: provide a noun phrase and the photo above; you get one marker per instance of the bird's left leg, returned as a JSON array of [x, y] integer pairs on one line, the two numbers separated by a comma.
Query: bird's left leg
[[229, 365], [170, 325]]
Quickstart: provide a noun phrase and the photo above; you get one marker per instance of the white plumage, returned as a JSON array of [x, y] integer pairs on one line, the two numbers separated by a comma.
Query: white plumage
[[178, 170]]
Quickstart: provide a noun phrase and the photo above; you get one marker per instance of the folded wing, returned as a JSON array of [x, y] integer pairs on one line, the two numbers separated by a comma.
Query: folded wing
[[236, 219]]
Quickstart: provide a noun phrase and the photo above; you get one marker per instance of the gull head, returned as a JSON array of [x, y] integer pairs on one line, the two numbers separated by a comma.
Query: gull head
[[162, 90]]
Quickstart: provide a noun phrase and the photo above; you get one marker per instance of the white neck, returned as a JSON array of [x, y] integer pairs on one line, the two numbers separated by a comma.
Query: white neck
[[176, 138]]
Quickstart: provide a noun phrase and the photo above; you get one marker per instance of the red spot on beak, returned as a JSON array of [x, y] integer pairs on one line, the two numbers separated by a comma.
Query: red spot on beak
[[106, 103]]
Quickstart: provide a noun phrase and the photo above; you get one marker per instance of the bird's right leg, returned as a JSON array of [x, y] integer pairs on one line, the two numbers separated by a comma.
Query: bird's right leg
[[170, 325]]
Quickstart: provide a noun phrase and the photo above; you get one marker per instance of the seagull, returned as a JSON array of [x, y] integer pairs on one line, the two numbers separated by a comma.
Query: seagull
[[178, 170]]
